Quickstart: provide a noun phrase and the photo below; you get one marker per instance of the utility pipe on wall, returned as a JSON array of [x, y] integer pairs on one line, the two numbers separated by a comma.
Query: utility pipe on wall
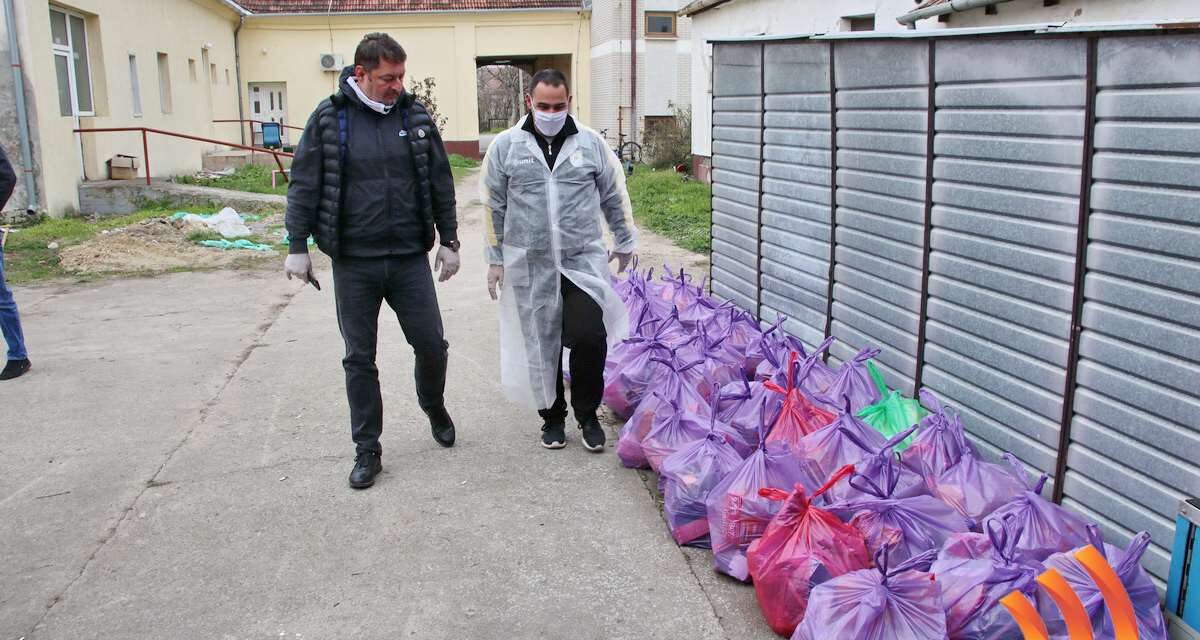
[[31, 197]]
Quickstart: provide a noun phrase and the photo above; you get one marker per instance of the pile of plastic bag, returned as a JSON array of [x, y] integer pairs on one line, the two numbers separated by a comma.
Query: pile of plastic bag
[[857, 512]]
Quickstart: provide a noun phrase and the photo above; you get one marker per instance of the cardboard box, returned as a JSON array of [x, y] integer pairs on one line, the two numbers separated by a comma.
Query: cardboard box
[[123, 167]]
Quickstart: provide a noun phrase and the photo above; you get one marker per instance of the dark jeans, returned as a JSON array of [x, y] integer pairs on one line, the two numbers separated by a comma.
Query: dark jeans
[[10, 320], [360, 287], [583, 333]]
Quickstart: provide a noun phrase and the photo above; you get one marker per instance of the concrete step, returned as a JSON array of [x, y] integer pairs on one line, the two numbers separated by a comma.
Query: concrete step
[[234, 158], [120, 197]]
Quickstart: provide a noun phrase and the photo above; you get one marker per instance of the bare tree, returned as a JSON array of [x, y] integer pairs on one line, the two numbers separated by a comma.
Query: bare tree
[[501, 94]]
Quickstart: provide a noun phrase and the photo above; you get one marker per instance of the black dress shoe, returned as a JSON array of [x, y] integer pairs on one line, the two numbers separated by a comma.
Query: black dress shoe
[[15, 369], [442, 426], [366, 466]]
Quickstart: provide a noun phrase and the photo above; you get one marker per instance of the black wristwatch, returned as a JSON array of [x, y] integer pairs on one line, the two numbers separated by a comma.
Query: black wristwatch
[[453, 245]]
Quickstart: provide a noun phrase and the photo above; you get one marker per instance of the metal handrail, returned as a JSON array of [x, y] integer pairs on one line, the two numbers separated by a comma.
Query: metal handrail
[[146, 145], [253, 122], [285, 126]]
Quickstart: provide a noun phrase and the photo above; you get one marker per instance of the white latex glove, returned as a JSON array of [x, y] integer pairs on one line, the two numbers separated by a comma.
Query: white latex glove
[[623, 259], [495, 280], [298, 265], [446, 263]]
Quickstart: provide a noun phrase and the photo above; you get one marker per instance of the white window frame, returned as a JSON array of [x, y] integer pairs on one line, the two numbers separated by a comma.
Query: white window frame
[[69, 53]]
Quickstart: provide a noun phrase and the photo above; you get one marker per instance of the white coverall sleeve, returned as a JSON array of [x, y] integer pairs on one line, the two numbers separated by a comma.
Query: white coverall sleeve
[[614, 201], [493, 193]]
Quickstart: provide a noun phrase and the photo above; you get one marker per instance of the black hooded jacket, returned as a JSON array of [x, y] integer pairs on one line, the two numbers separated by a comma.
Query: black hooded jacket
[[383, 193]]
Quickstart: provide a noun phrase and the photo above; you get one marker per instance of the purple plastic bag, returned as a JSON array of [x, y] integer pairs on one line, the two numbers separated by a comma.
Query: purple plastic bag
[[854, 381], [883, 603], [630, 370], [876, 464], [767, 341], [721, 365], [972, 587], [906, 527], [775, 365], [645, 293], [847, 440], [624, 287], [939, 444], [683, 428], [976, 488], [674, 395], [689, 475], [1127, 565], [737, 514], [706, 312], [740, 407], [744, 333], [1048, 528], [679, 290], [670, 435]]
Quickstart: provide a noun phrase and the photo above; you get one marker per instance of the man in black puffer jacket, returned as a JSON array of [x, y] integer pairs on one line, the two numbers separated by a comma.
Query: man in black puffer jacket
[[371, 183]]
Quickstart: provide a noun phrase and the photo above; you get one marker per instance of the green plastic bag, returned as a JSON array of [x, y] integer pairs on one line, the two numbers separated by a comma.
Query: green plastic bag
[[236, 244], [894, 413]]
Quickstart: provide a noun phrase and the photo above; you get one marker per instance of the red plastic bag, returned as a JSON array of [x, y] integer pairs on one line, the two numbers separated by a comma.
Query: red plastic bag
[[737, 514], [802, 547], [799, 416]]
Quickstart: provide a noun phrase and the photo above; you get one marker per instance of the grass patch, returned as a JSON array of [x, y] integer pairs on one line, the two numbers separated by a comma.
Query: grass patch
[[461, 165], [251, 178], [202, 235], [664, 203], [29, 258]]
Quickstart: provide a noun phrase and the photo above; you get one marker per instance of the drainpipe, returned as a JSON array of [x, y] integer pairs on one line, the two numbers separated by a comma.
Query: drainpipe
[[31, 194], [633, 32], [237, 72], [911, 17]]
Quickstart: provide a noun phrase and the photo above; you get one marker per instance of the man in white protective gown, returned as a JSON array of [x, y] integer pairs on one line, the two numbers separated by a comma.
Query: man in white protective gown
[[546, 185]]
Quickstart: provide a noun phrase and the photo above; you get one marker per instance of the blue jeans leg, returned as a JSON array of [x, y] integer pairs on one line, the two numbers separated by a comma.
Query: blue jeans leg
[[10, 321]]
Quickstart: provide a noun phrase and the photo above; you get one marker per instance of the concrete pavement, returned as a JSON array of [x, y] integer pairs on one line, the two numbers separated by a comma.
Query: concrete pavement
[[175, 467]]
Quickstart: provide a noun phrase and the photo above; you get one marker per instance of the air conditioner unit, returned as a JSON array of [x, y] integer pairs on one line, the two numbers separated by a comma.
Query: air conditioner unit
[[331, 62]]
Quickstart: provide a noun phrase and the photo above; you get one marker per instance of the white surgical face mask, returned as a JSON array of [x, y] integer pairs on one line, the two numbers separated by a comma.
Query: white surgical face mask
[[550, 123]]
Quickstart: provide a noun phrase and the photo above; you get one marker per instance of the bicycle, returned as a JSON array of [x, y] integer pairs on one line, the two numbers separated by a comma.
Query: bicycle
[[628, 152]]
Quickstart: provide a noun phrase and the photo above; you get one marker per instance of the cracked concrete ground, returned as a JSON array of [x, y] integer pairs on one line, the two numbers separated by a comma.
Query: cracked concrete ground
[[175, 467]]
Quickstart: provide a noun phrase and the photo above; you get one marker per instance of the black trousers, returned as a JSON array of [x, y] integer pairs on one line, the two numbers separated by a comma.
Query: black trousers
[[583, 333], [360, 287]]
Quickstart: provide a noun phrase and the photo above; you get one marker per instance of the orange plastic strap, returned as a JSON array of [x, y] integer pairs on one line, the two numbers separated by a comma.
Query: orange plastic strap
[[1026, 616], [1079, 626], [1116, 599]]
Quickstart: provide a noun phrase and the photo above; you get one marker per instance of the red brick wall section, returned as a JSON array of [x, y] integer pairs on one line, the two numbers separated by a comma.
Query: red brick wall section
[[468, 148], [702, 168]]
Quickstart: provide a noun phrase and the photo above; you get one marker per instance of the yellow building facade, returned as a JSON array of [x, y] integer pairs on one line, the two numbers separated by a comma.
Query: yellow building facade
[[176, 65], [283, 52], [164, 64]]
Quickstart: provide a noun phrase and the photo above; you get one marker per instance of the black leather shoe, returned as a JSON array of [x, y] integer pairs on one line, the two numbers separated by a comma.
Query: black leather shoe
[[442, 426], [366, 466]]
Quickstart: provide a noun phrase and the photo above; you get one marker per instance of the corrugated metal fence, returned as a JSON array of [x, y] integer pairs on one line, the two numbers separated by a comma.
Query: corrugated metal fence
[[1017, 226]]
